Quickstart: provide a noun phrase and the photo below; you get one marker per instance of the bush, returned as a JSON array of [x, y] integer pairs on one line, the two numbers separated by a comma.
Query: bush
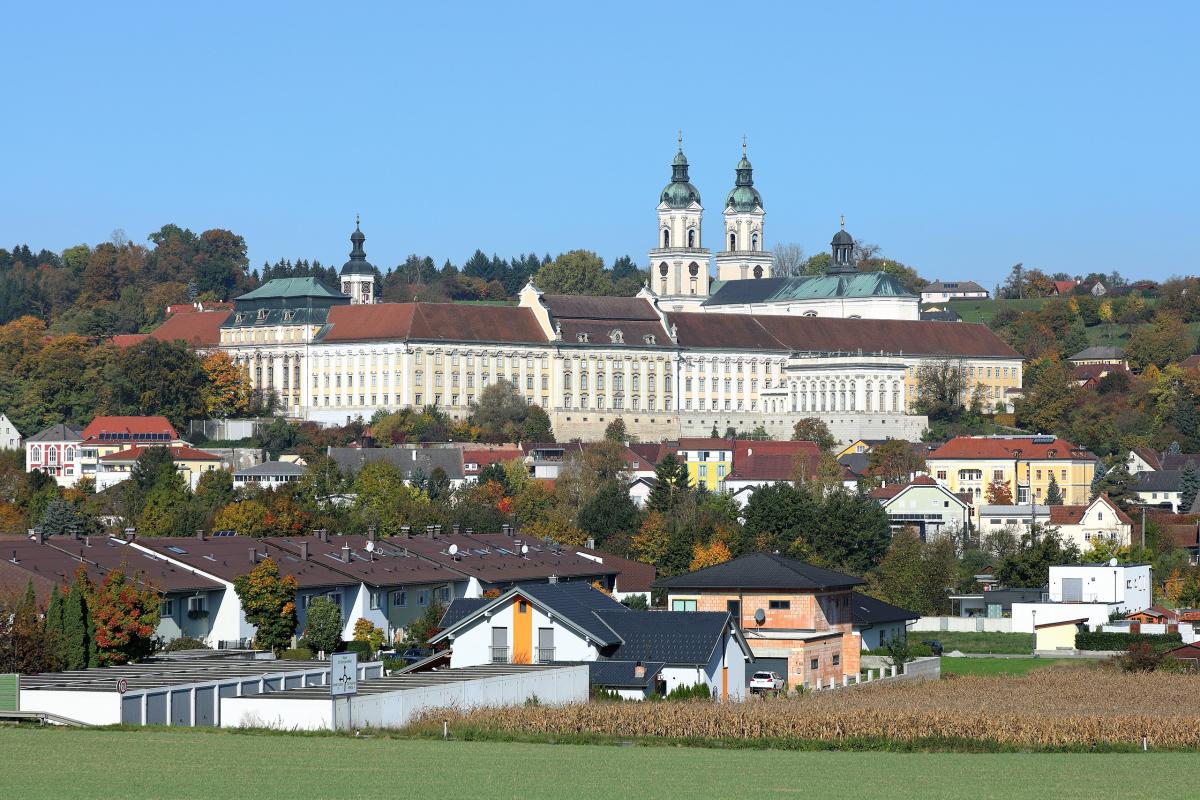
[[600, 693], [699, 691], [1105, 640], [362, 648], [297, 654], [185, 643]]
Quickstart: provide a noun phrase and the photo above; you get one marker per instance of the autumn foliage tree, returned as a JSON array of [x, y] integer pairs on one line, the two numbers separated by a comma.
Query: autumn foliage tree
[[269, 600], [228, 392], [125, 616], [998, 493], [709, 555]]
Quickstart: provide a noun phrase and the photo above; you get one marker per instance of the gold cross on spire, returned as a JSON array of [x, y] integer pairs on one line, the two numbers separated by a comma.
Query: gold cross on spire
[[743, 145], [843, 222], [681, 140]]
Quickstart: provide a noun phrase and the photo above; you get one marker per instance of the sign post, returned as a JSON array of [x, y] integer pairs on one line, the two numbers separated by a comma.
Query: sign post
[[343, 682]]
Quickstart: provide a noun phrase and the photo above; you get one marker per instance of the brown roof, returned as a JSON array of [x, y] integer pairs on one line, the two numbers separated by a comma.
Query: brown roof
[[1072, 515], [825, 334], [1003, 448], [228, 557], [599, 332], [568, 306], [495, 567], [705, 444], [177, 454], [384, 566], [197, 328], [893, 489], [58, 559], [433, 322], [1085, 372], [486, 457], [771, 461], [129, 339], [137, 426]]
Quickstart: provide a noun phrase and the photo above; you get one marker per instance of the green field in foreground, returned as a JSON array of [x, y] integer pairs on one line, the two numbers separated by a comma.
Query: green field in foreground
[[978, 642], [1004, 666], [179, 764]]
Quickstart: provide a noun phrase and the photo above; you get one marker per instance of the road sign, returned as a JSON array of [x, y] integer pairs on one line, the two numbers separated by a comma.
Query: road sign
[[122, 686], [343, 674]]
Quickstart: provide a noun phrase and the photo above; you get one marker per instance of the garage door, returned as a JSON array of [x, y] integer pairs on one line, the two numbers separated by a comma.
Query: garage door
[[777, 665]]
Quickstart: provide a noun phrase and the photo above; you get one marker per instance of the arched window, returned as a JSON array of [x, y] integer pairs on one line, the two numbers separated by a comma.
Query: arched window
[[70, 454], [635, 382], [841, 397], [51, 455], [758, 271], [733, 241], [895, 396], [666, 239], [804, 397], [868, 391], [824, 397], [754, 241], [35, 453], [691, 237]]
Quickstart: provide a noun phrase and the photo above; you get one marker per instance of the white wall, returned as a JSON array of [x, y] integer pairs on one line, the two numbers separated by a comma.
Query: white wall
[[871, 636], [93, 708], [1025, 614], [256, 711], [964, 624], [472, 646], [1126, 586]]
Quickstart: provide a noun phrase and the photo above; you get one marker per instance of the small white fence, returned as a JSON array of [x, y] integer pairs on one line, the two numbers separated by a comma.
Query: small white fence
[[877, 670], [964, 624]]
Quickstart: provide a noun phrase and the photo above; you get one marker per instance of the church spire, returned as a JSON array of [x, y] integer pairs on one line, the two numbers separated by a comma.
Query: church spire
[[358, 275]]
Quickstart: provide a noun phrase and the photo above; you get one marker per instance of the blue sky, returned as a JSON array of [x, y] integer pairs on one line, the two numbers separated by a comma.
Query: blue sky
[[960, 137]]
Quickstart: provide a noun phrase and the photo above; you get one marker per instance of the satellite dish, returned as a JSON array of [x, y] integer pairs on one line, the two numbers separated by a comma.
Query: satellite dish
[[524, 549], [370, 547], [760, 616], [453, 549], [1112, 562]]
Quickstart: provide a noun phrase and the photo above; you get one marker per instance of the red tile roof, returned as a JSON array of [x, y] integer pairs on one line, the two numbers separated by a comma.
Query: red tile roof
[[772, 461], [177, 454], [196, 328], [983, 447], [433, 322], [1073, 515], [826, 334], [1191, 362], [129, 339], [137, 426], [484, 457], [893, 489], [1064, 287], [705, 444]]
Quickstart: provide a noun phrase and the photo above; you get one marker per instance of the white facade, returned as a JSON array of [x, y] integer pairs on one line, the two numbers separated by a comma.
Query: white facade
[[61, 458], [836, 307], [10, 437], [1125, 585], [931, 508]]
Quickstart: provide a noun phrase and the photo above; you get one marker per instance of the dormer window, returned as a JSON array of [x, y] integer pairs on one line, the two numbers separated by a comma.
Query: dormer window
[[239, 318], [582, 337], [616, 337], [262, 314], [648, 338], [289, 315]]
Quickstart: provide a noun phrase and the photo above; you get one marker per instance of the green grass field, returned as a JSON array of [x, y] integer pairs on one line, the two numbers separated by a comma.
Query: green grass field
[[1005, 666], [64, 764], [978, 642]]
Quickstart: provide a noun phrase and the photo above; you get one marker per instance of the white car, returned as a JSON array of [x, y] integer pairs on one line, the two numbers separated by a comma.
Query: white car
[[766, 682]]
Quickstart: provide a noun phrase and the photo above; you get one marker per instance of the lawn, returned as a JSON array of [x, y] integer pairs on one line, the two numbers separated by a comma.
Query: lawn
[[64, 764], [973, 642], [1005, 666]]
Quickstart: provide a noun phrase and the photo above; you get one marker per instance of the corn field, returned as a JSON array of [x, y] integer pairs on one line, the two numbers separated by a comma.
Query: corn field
[[1047, 708]]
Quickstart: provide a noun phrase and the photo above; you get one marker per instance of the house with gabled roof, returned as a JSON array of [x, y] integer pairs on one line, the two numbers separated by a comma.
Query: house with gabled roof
[[796, 617], [56, 452], [924, 505], [636, 653]]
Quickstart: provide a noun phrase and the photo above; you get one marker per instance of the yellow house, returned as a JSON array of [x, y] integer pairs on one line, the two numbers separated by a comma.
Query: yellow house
[[708, 461], [189, 462], [1057, 635], [1025, 463], [859, 446]]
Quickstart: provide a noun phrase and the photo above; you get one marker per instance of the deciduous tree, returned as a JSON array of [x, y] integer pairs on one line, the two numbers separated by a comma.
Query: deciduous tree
[[269, 603]]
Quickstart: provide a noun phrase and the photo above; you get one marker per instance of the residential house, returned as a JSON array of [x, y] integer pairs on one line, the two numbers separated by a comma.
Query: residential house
[[106, 435], [571, 622], [1100, 355], [189, 462], [422, 461], [1081, 525], [797, 618], [944, 291], [640, 489], [1025, 463], [56, 452], [993, 603], [269, 475], [924, 505], [476, 458], [1064, 288], [1154, 615], [762, 463], [877, 622], [1093, 592], [708, 461], [1057, 635], [1089, 375], [10, 437]]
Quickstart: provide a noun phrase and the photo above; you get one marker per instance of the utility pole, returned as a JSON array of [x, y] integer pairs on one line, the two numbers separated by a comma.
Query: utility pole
[[1143, 527]]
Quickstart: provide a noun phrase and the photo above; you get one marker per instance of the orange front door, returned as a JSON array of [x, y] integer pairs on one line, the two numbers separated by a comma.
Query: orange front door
[[522, 632]]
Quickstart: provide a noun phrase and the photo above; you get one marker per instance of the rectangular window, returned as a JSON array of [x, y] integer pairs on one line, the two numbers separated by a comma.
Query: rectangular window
[[400, 599], [683, 605], [813, 664], [375, 600], [837, 659], [941, 473], [422, 597], [779, 605], [166, 608]]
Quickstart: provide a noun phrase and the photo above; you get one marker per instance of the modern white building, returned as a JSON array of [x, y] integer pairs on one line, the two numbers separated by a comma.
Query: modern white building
[[1092, 592], [944, 291]]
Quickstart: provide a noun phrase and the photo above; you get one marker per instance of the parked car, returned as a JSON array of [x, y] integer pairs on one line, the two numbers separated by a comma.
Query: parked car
[[766, 682], [934, 645], [414, 654]]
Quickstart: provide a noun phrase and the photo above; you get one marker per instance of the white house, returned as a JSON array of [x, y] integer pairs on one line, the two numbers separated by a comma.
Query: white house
[[1082, 525], [944, 291], [877, 622], [10, 437], [1087, 591], [554, 622], [269, 475], [57, 452], [924, 504]]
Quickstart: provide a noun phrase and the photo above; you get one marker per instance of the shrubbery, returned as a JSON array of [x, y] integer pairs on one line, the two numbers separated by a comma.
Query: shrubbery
[[1106, 640], [699, 691], [297, 654], [185, 643]]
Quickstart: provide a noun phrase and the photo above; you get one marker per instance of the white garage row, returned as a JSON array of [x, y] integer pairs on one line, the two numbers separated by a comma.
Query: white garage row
[[393, 702], [169, 692]]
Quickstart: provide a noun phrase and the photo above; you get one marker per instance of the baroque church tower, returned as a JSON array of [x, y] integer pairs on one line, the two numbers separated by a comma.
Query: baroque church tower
[[357, 275], [744, 254], [679, 264]]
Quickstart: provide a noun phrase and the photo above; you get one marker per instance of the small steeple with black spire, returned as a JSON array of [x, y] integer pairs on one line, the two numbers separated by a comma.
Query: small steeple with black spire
[[357, 275], [843, 251]]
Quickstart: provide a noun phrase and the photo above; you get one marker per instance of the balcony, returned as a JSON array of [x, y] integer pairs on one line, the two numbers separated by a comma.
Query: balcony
[[544, 655], [500, 655]]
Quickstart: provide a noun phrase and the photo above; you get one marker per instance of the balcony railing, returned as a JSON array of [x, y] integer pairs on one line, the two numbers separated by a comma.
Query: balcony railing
[[499, 655], [544, 655]]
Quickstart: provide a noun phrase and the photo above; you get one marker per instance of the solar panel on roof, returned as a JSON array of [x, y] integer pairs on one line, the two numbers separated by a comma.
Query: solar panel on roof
[[177, 549]]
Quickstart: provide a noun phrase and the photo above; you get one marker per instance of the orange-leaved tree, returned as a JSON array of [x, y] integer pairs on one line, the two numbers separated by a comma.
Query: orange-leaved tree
[[126, 616], [269, 600]]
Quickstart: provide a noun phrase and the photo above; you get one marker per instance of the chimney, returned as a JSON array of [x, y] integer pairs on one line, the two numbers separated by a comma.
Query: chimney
[[41, 536], [253, 556], [505, 529], [371, 534], [406, 530], [639, 670], [304, 551], [437, 530], [553, 579], [590, 544], [200, 534], [325, 535], [454, 529], [346, 554], [470, 531], [429, 531]]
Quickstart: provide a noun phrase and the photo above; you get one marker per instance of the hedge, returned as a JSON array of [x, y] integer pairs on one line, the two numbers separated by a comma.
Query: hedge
[[1107, 640]]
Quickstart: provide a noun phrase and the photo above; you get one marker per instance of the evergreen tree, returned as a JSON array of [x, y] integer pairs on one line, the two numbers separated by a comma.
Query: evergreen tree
[[1098, 477], [54, 624], [1187, 422], [1054, 494], [1174, 449], [1189, 486], [77, 649], [60, 519]]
